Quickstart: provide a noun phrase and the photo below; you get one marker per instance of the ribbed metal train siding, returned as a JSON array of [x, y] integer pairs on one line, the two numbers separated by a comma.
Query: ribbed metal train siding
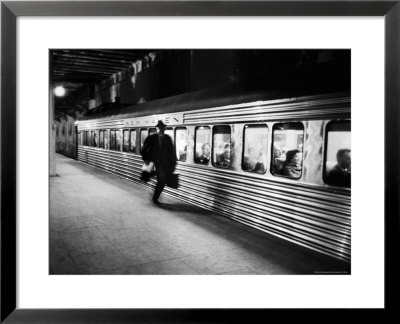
[[312, 216]]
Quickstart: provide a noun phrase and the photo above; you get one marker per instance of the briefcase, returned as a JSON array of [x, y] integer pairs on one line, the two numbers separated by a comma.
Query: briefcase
[[173, 181]]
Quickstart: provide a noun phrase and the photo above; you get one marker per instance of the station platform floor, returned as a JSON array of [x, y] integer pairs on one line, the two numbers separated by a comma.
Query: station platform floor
[[103, 224]]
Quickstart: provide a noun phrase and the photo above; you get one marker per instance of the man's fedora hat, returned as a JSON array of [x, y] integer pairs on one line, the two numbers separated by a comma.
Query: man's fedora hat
[[160, 124]]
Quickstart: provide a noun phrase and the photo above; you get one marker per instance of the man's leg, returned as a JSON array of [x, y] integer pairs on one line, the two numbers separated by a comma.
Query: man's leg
[[161, 181], [158, 190]]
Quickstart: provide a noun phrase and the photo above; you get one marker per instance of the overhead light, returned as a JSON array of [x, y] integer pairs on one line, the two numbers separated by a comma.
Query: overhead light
[[59, 91]]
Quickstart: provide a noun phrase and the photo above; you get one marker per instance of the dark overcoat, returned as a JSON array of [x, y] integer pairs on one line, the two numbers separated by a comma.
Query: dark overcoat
[[338, 177], [160, 150]]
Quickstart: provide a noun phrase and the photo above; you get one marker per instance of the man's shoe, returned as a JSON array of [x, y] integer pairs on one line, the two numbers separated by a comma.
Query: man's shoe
[[156, 202]]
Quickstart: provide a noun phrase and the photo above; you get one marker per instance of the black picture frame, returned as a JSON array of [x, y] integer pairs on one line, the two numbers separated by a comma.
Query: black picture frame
[[10, 10]]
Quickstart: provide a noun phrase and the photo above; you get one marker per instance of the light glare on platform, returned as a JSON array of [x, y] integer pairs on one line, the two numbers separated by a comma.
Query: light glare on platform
[[59, 91]]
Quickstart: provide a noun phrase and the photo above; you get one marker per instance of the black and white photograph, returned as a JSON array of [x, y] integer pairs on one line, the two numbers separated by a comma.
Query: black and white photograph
[[200, 161]]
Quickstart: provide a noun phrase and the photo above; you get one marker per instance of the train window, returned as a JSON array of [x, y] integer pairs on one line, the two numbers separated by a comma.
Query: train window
[[202, 145], [181, 143], [287, 150], [106, 139], [125, 140], [112, 140], [170, 132], [118, 140], [95, 140], [337, 166], [255, 148], [85, 138], [101, 139], [143, 134], [221, 146], [133, 141]]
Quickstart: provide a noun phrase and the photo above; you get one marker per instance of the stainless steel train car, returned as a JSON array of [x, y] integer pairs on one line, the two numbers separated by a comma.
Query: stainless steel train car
[[232, 149]]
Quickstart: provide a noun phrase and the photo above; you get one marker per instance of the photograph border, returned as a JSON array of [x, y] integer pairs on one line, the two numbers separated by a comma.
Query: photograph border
[[10, 10]]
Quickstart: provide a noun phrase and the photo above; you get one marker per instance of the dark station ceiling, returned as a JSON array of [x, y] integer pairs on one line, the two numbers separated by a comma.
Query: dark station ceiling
[[75, 68], [78, 70]]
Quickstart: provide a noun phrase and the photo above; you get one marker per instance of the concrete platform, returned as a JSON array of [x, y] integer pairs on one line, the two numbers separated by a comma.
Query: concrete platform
[[102, 224]]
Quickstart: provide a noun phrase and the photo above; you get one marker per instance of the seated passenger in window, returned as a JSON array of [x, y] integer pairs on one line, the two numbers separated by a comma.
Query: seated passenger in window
[[224, 159], [292, 167], [340, 175], [283, 153], [253, 161], [278, 160], [204, 158]]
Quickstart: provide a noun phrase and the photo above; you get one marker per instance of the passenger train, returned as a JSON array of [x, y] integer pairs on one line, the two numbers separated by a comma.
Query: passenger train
[[260, 157]]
